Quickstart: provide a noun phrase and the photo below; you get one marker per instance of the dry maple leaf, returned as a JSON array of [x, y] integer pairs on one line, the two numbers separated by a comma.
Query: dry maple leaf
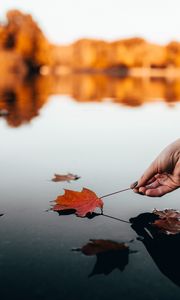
[[169, 221], [167, 213], [83, 202], [68, 177], [100, 246]]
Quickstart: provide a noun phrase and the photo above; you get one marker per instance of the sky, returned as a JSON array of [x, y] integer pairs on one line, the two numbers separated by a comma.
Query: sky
[[64, 21]]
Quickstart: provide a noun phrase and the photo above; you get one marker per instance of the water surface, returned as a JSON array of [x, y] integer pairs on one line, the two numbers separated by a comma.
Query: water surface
[[109, 145]]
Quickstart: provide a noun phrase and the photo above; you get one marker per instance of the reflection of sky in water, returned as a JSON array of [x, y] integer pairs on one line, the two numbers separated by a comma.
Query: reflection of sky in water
[[68, 134], [108, 145]]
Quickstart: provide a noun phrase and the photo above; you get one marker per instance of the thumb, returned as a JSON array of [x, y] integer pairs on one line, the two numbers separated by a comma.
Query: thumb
[[148, 174]]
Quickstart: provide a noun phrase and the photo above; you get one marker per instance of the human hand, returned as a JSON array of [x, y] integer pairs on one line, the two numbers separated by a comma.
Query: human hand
[[163, 175]]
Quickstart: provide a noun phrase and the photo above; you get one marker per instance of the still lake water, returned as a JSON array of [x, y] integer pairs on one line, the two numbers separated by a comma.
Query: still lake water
[[109, 145]]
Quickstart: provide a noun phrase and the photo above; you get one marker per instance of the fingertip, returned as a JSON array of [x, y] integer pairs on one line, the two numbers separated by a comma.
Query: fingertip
[[149, 193], [153, 193], [134, 184], [142, 180], [142, 190]]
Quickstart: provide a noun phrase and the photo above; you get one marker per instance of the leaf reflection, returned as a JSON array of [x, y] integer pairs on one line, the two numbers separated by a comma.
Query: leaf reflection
[[107, 262], [110, 255]]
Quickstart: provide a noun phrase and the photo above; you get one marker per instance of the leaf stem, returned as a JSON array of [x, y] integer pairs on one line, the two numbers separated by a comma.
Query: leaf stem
[[115, 193], [127, 189]]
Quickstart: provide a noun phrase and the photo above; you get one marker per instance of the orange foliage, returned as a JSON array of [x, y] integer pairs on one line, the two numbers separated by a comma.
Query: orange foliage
[[21, 35], [87, 70], [83, 202]]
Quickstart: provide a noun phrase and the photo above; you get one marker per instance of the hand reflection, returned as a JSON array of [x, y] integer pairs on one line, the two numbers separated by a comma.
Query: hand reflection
[[164, 249]]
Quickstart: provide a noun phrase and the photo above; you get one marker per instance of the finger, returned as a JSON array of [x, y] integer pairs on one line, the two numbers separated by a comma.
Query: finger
[[151, 180], [153, 185], [159, 191], [142, 190], [148, 175], [136, 190], [133, 185]]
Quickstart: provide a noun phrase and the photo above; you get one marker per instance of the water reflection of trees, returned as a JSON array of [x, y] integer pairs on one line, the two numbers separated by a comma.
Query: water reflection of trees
[[22, 99]]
